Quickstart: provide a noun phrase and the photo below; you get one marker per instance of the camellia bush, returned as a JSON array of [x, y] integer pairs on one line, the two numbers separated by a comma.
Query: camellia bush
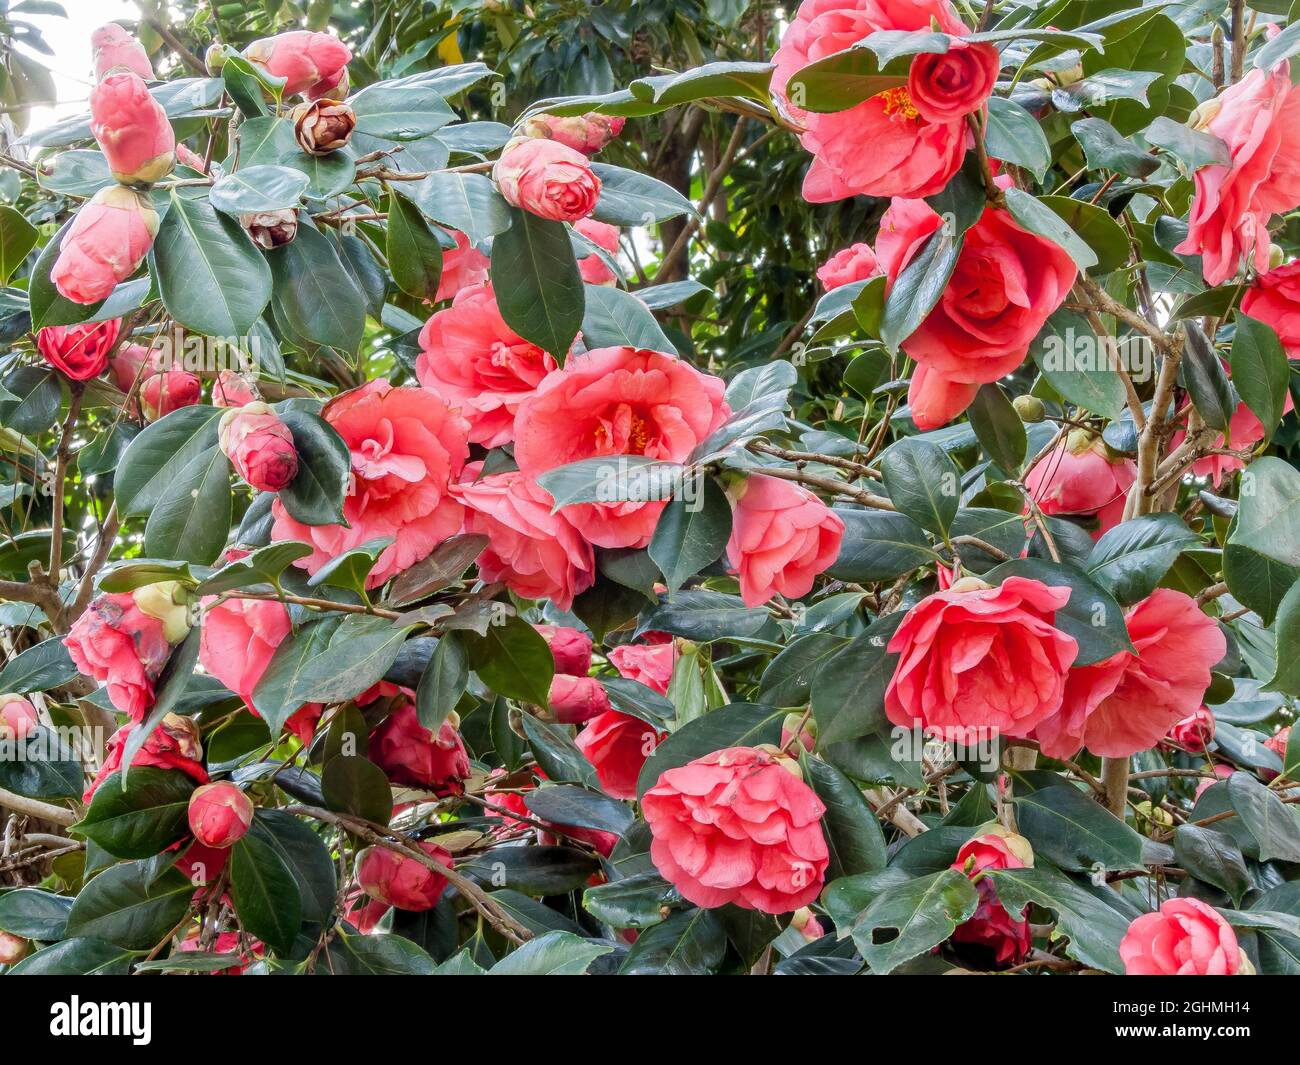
[[689, 488]]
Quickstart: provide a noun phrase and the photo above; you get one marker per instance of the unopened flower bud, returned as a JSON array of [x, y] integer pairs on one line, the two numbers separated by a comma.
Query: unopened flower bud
[[1030, 408], [132, 129], [259, 446], [807, 730], [162, 393], [1205, 113], [587, 133], [215, 58], [1276, 256], [219, 814], [400, 881], [322, 126], [271, 229], [168, 601], [13, 948], [969, 584], [18, 718]]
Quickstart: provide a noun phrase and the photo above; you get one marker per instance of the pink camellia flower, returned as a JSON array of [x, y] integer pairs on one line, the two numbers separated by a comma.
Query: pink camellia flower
[[905, 141], [410, 754], [132, 129], [117, 642], [1185, 937], [857, 262], [174, 744], [13, 949], [738, 826], [1081, 478], [1244, 431], [545, 178], [782, 536], [573, 700], [462, 268], [105, 245], [79, 351], [408, 445], [1274, 299], [593, 268], [18, 717], [1006, 283], [312, 64], [397, 880], [1193, 733], [999, 938], [570, 648], [650, 663], [535, 553], [612, 402], [1223, 772], [469, 355], [219, 814], [618, 746], [936, 399], [587, 133], [232, 389], [1258, 118], [259, 446], [995, 847], [170, 390], [1126, 703], [114, 48], [980, 662]]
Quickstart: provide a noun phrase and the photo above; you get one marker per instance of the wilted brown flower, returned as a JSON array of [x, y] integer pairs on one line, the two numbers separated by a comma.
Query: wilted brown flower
[[270, 229], [322, 126]]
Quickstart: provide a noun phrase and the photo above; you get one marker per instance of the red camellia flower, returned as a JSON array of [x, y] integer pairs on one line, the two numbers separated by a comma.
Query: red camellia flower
[[915, 135], [131, 129], [1185, 937], [1274, 299], [1006, 283], [782, 536], [570, 648], [573, 700], [400, 881], [650, 663], [219, 814], [259, 445], [854, 263], [980, 662], [1258, 118], [1193, 733], [469, 355], [407, 445], [618, 746], [174, 744], [117, 642], [162, 393], [80, 351], [313, 64], [738, 826], [462, 267], [105, 245], [612, 402], [410, 754], [1081, 478], [1277, 743], [1126, 703], [547, 179]]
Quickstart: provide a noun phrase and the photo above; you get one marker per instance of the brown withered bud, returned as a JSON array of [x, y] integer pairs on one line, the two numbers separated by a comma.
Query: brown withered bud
[[270, 229], [322, 126]]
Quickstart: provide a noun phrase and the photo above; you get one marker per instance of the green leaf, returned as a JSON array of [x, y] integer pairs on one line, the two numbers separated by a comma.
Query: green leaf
[[918, 288], [17, 239], [1096, 228], [703, 616], [564, 804], [1066, 352], [38, 391], [1270, 821], [848, 693], [34, 914], [844, 79], [538, 871], [998, 428], [513, 660], [254, 189], [1105, 149], [265, 892], [42, 766], [139, 817], [853, 834], [355, 785], [1013, 135], [466, 202], [315, 495], [211, 277], [908, 919], [350, 569], [171, 686], [1213, 857], [316, 296], [305, 856], [400, 112], [614, 318], [1206, 379], [636, 901], [879, 545], [263, 566], [1192, 147], [414, 252], [1268, 521], [130, 907], [166, 453], [629, 198], [923, 482], [1281, 47], [535, 276], [1132, 558], [1260, 371], [554, 954], [686, 944], [557, 754], [789, 676], [82, 956], [42, 666], [1094, 927], [733, 725], [191, 519], [1074, 832], [691, 534], [1286, 678], [442, 683], [612, 479], [1039, 218], [384, 954]]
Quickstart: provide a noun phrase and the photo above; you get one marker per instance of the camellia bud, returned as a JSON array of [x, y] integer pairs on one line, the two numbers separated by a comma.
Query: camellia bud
[[1276, 256], [1030, 408], [18, 718], [322, 126], [219, 814], [587, 133], [170, 390], [1205, 113], [969, 584], [168, 601], [807, 731], [546, 178], [786, 761], [400, 881], [259, 446], [232, 389], [12, 948], [114, 48], [215, 58], [271, 229], [105, 244], [132, 129]]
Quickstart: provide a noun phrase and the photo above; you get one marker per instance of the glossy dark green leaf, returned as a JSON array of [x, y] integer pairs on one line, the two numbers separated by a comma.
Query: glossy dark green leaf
[[513, 660], [535, 276], [139, 817], [692, 532], [130, 907], [1260, 371], [923, 482], [414, 252], [265, 892]]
